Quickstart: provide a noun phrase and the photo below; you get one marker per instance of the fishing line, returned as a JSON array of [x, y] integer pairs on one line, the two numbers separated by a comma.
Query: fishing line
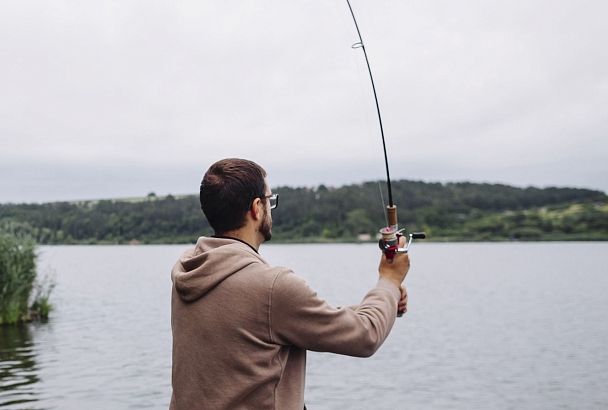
[[383, 203], [361, 45], [389, 242]]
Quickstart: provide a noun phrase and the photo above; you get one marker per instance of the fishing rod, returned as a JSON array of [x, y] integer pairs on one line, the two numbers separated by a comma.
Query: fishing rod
[[389, 242]]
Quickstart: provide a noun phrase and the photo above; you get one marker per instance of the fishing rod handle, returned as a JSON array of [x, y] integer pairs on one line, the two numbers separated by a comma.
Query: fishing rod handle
[[391, 216]]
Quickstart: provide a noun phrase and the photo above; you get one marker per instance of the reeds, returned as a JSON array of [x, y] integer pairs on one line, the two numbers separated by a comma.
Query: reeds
[[18, 280], [41, 306]]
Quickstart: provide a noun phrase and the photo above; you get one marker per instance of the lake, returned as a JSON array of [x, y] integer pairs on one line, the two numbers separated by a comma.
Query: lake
[[490, 325]]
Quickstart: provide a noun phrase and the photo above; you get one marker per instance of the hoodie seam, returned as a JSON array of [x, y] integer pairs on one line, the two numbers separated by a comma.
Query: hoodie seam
[[270, 307], [277, 356]]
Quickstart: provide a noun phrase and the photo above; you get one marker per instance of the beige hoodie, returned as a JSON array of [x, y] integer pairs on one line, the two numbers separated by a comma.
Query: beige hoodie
[[241, 328]]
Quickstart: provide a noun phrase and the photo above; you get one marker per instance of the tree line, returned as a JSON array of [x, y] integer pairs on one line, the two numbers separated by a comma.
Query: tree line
[[446, 211]]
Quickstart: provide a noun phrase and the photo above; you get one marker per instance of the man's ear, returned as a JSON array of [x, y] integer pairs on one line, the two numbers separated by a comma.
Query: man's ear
[[256, 209]]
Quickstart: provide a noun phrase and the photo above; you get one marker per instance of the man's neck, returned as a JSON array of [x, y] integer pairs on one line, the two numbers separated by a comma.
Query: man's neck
[[244, 235]]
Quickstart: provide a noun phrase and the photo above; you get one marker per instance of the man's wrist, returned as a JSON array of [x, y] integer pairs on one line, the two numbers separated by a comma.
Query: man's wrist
[[392, 280]]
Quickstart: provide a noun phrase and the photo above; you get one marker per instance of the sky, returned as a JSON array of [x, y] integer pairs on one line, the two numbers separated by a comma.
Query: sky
[[112, 99]]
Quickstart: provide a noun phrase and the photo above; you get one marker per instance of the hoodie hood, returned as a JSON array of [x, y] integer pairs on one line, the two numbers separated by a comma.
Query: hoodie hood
[[211, 261]]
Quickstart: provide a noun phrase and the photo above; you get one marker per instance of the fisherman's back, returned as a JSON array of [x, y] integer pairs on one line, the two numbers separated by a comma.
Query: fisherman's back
[[223, 353]]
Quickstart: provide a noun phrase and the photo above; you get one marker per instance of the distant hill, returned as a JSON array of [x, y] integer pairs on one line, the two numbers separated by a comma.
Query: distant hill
[[446, 211]]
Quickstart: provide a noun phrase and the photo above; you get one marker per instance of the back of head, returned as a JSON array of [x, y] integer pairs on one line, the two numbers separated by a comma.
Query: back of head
[[227, 191]]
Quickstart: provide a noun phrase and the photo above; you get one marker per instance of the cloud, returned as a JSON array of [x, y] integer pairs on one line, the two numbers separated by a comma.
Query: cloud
[[511, 92]]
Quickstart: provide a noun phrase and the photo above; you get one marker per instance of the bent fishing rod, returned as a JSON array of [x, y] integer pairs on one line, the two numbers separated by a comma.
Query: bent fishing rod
[[389, 242]]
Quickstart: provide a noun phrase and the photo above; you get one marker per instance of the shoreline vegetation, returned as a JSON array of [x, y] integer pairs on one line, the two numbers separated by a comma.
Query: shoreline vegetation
[[351, 213], [19, 282]]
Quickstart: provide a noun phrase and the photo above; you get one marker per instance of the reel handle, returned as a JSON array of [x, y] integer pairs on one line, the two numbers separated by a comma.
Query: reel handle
[[390, 240]]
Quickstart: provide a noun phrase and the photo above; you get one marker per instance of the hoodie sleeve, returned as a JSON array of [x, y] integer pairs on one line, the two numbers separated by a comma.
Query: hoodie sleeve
[[299, 317]]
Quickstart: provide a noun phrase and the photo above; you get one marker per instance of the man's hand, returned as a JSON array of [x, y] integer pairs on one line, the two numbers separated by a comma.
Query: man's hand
[[396, 270], [402, 306]]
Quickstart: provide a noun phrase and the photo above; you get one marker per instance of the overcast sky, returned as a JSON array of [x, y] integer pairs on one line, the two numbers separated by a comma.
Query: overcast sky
[[109, 99]]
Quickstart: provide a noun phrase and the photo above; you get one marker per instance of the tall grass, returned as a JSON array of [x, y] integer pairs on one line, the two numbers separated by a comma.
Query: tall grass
[[18, 279], [17, 275], [41, 307]]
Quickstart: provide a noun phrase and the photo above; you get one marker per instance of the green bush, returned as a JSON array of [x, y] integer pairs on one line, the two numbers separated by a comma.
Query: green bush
[[17, 275]]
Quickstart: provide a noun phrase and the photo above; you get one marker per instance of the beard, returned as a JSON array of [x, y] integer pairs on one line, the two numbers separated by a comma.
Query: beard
[[266, 228]]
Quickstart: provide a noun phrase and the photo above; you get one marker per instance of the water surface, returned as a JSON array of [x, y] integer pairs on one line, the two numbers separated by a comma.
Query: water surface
[[500, 326]]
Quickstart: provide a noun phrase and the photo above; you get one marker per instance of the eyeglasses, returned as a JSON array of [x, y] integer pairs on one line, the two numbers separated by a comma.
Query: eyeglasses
[[274, 200]]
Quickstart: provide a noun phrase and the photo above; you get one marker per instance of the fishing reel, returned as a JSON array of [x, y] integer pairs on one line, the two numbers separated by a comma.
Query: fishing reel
[[389, 244], [389, 241]]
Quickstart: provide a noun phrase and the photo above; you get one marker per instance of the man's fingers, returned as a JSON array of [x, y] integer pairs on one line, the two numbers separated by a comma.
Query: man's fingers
[[403, 293], [402, 241], [402, 305]]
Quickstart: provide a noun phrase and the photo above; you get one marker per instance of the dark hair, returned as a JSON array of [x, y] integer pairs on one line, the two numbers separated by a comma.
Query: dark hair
[[227, 191]]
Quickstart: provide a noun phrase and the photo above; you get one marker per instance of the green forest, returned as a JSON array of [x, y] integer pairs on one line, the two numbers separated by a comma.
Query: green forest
[[446, 211]]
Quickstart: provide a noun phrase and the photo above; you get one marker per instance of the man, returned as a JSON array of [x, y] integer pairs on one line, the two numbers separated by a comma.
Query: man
[[241, 327]]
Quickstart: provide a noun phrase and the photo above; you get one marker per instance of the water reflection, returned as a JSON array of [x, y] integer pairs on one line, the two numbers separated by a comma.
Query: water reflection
[[18, 369]]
